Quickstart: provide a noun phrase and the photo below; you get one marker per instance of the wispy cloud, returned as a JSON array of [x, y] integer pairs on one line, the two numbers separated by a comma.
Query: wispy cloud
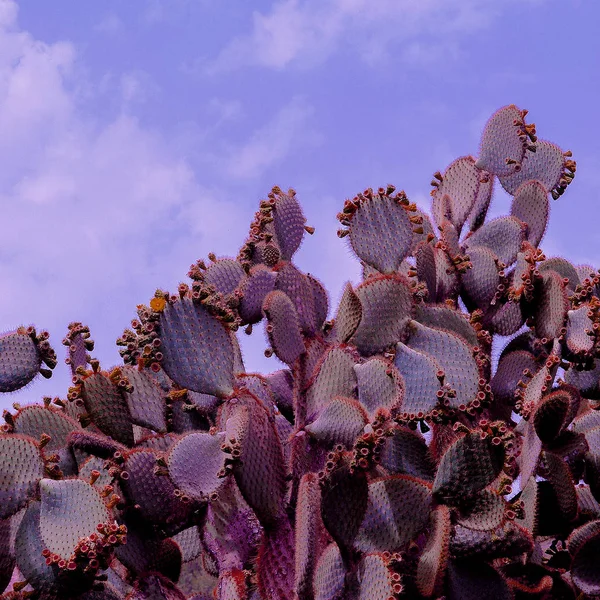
[[102, 212], [110, 24], [305, 32], [269, 145]]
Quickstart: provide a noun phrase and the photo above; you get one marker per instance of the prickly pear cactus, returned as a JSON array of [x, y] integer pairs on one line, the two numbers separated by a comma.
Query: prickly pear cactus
[[389, 457]]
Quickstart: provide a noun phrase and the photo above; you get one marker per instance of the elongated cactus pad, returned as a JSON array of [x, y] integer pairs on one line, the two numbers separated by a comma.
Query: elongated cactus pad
[[283, 327], [531, 206], [460, 182]]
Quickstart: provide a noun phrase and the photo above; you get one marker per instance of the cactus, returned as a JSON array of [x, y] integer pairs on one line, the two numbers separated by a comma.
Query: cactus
[[390, 456]]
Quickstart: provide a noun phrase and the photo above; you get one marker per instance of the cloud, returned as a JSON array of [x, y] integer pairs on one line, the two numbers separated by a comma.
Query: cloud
[[98, 213], [110, 24], [269, 145], [307, 32]]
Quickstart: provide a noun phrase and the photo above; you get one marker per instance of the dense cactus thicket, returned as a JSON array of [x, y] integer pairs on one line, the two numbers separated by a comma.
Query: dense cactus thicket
[[388, 458]]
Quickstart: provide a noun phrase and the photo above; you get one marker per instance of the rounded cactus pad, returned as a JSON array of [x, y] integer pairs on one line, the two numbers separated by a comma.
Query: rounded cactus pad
[[564, 268], [549, 165], [455, 357], [503, 236], [310, 534], [340, 422], [21, 468], [151, 493], [106, 404], [427, 269], [555, 412], [196, 347], [483, 512], [561, 480], [380, 384], [505, 140], [509, 373], [421, 374], [584, 547], [225, 275], [380, 227], [321, 301], [386, 302], [505, 318], [441, 316], [20, 360], [197, 464], [509, 539], [398, 508], [34, 421], [70, 510], [344, 500], [470, 464], [580, 329]]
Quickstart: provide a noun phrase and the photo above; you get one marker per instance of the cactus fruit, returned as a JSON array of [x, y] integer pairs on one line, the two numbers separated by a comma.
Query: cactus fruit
[[390, 457]]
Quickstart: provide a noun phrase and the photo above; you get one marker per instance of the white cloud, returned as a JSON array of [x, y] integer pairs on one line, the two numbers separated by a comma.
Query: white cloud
[[305, 32]]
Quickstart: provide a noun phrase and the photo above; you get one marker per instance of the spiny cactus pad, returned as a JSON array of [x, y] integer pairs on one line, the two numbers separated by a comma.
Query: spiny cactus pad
[[402, 449]]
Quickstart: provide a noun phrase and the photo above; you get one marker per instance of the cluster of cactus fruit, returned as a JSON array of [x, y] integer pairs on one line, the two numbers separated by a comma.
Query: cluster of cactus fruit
[[391, 458]]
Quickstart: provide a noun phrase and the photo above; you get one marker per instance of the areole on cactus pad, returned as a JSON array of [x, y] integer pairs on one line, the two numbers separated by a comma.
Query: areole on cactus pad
[[389, 456]]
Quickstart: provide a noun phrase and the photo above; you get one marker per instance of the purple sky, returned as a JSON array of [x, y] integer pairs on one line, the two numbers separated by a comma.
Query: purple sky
[[137, 137]]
